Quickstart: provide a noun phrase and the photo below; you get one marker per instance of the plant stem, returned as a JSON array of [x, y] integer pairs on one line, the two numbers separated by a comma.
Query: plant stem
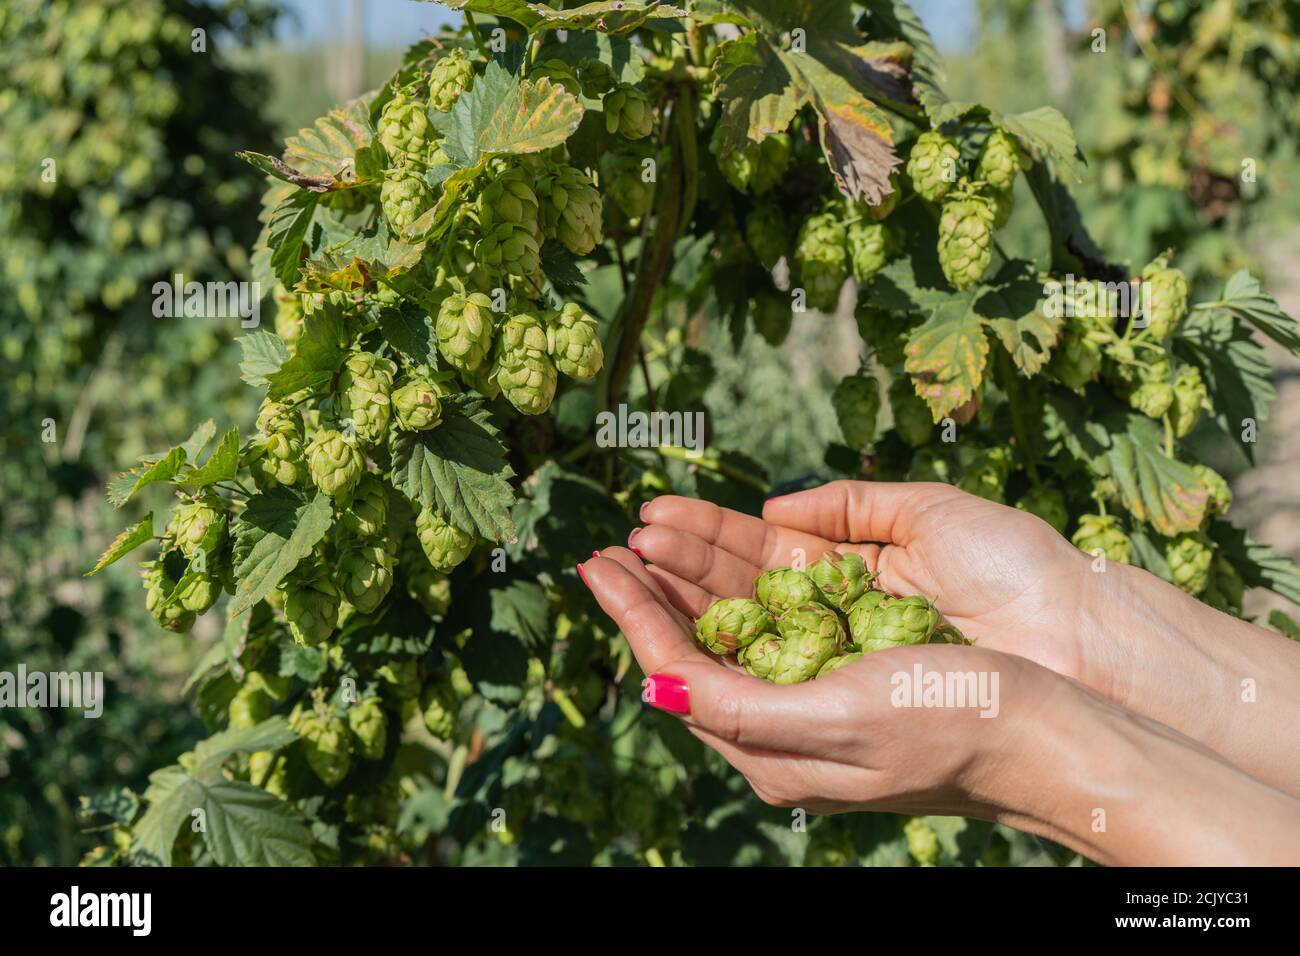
[[478, 39], [455, 770], [713, 464], [571, 713], [653, 857]]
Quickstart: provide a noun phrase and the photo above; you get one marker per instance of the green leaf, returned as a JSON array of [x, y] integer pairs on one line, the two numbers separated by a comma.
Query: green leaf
[[125, 486], [1009, 306], [409, 329], [222, 464], [199, 439], [946, 355], [1047, 135], [124, 544], [522, 609], [275, 531], [607, 16], [1234, 366], [213, 660], [330, 144], [432, 223], [1284, 624], [561, 267], [1258, 564], [120, 805], [503, 114], [1245, 298], [1073, 248], [616, 52], [285, 231], [307, 663], [249, 827], [458, 468], [279, 169], [320, 351], [264, 353]]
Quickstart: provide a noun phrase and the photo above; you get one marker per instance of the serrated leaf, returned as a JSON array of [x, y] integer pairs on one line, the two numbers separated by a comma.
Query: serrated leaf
[[1258, 564], [1073, 248], [307, 663], [246, 826], [1046, 134], [459, 468], [561, 267], [264, 352], [946, 355], [279, 169], [276, 530], [607, 16], [126, 485], [285, 231], [1234, 366], [1010, 307], [433, 222], [120, 805], [410, 331], [214, 659], [319, 353], [1245, 298], [331, 142], [522, 609], [124, 544], [222, 464], [199, 439]]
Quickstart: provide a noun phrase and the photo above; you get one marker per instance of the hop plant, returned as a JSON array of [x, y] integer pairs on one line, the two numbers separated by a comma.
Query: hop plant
[[365, 575], [820, 260], [430, 588], [451, 76], [276, 455], [896, 623], [508, 199], [311, 605], [732, 624], [507, 249], [249, 706], [464, 330], [405, 196], [444, 544], [810, 635], [558, 72], [772, 316], [841, 578], [573, 341], [912, 418], [986, 471], [1166, 298], [1077, 359], [932, 165], [621, 174], [781, 589], [869, 246], [881, 210], [596, 76], [1220, 498], [440, 707], [1225, 590], [288, 317], [402, 679], [966, 239], [199, 593], [326, 743], [158, 586], [367, 512], [416, 404], [922, 841], [1048, 504], [1002, 204], [363, 389], [1102, 534], [403, 125], [1190, 555], [334, 463], [1190, 398], [522, 368], [765, 232], [753, 167], [368, 722], [856, 401], [628, 112], [570, 209], [191, 521], [999, 161]]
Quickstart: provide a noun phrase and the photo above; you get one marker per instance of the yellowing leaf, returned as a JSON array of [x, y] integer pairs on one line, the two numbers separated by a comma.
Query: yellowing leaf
[[946, 356]]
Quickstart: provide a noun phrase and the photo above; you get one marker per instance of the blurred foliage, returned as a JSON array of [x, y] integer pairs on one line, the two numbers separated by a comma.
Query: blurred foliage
[[118, 125]]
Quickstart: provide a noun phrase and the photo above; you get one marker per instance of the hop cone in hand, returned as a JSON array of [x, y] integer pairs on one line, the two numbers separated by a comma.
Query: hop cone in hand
[[811, 635], [451, 76], [1190, 398], [404, 196], [464, 330], [999, 160], [574, 342], [444, 544], [416, 404], [369, 724], [1101, 533], [781, 589], [363, 389], [909, 620], [365, 574], [862, 612], [838, 661], [765, 232], [819, 260], [404, 126], [1048, 504], [1167, 298], [570, 209], [1189, 556], [856, 400], [966, 240], [628, 112], [523, 369], [732, 624], [334, 463], [912, 418], [932, 165], [841, 578], [326, 743]]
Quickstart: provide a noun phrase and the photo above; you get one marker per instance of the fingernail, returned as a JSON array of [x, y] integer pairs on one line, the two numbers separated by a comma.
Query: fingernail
[[582, 576], [644, 506], [632, 547], [594, 554], [666, 692]]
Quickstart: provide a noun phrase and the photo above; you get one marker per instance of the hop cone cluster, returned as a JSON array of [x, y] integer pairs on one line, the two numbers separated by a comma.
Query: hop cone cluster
[[1167, 298]]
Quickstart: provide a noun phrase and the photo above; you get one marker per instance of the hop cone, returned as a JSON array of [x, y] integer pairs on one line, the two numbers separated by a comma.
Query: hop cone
[[621, 176], [570, 209], [404, 126], [365, 574], [765, 231], [820, 261], [199, 593], [772, 316], [596, 76], [363, 389], [869, 245], [883, 331], [416, 404], [1220, 494], [999, 160], [311, 606], [841, 578], [403, 679], [1167, 298], [896, 623], [249, 706], [862, 612], [1002, 204], [1101, 533], [276, 456], [753, 167], [760, 657], [966, 240], [441, 707], [574, 342], [288, 318], [987, 472], [912, 418], [369, 724], [523, 369], [464, 330], [1190, 398], [856, 400], [558, 72], [811, 634], [507, 249], [1189, 556], [628, 112], [430, 588], [732, 624], [1046, 503], [444, 544], [451, 76], [191, 521], [326, 743], [922, 841], [334, 463], [781, 589], [838, 661], [509, 199], [932, 165], [1226, 589], [367, 512], [404, 196], [1077, 358], [158, 586], [1152, 398]]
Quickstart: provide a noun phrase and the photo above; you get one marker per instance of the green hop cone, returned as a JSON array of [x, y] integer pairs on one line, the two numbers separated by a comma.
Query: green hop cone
[[628, 112], [922, 841], [820, 260], [1152, 398], [912, 418], [1077, 359], [870, 245], [765, 232], [158, 588], [1048, 504], [334, 463], [986, 471], [522, 368], [191, 521], [1190, 398], [367, 512], [856, 401], [276, 455], [249, 706], [861, 613], [772, 316], [402, 679], [508, 199], [1002, 205], [1102, 534], [288, 317], [312, 609], [1220, 498], [966, 240], [759, 658], [507, 249], [838, 661], [363, 389], [365, 575], [1165, 299], [897, 623], [811, 634], [200, 593], [573, 341], [1226, 589], [841, 578], [274, 686], [450, 77], [781, 589], [403, 126], [440, 707], [932, 165], [999, 161], [558, 72], [1190, 555], [464, 330], [430, 588], [570, 209], [416, 404], [621, 175], [369, 725], [754, 167], [732, 624], [404, 196], [326, 743], [443, 543], [596, 76]]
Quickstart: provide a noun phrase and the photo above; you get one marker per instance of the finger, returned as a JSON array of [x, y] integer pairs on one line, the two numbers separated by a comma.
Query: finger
[[719, 572], [858, 510], [645, 575], [655, 631], [691, 599], [750, 539]]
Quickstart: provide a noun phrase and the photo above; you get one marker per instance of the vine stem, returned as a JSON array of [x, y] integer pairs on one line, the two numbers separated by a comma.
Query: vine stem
[[571, 713], [712, 464], [654, 858], [478, 40], [455, 770]]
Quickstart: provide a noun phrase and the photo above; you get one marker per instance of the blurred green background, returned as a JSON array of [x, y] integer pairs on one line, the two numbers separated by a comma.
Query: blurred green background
[[140, 128]]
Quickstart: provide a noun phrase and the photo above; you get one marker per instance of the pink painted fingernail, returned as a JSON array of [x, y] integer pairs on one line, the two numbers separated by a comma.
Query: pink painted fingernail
[[594, 554], [632, 547], [582, 576], [644, 506], [666, 692]]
